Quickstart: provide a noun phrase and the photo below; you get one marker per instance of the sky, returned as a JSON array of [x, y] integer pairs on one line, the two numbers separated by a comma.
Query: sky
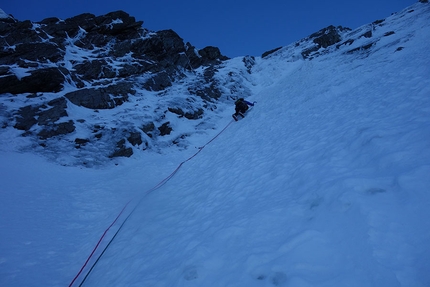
[[238, 28]]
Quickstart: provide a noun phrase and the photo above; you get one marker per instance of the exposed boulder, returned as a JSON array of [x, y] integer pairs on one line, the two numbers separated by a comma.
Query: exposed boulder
[[163, 52], [117, 23], [26, 117], [121, 150], [368, 34], [57, 129], [135, 138], [96, 69], [58, 110], [327, 36], [41, 80], [194, 115], [102, 98], [210, 55], [207, 56], [324, 38], [81, 142], [165, 129], [148, 129], [158, 82], [35, 52], [163, 46]]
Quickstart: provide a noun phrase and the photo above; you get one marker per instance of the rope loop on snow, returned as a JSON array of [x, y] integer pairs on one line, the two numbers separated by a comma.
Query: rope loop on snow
[[160, 184]]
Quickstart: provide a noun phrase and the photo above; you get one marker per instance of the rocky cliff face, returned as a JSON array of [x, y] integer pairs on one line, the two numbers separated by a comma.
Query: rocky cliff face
[[98, 44], [54, 67]]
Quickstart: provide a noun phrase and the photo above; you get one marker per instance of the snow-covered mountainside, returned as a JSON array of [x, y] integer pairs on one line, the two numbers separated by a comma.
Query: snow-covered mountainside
[[103, 87], [323, 183], [99, 87]]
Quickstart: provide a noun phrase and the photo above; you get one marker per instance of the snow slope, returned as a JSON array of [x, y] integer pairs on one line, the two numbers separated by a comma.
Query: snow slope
[[324, 183], [3, 15]]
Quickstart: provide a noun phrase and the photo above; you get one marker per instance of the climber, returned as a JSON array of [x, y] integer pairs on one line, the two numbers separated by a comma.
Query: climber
[[241, 107]]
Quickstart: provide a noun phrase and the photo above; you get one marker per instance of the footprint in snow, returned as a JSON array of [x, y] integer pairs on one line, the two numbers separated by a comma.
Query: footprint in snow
[[190, 273], [277, 278]]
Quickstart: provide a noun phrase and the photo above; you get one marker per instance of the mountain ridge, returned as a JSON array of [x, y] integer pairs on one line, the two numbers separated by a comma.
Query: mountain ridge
[[58, 78]]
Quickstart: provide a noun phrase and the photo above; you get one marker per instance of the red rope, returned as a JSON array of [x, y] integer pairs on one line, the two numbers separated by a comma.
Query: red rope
[[97, 245], [160, 184]]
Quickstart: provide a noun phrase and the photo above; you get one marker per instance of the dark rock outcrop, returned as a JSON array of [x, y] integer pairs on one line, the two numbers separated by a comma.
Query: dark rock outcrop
[[327, 36], [135, 138], [121, 150], [95, 69], [26, 117], [101, 63], [197, 114], [165, 129], [205, 57], [148, 129], [42, 115], [116, 34], [324, 38], [57, 129], [51, 115], [211, 55], [265, 54], [40, 52], [41, 80], [101, 98], [249, 62], [158, 82]]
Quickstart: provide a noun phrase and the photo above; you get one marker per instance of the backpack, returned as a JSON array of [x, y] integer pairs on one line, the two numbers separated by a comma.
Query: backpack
[[241, 105]]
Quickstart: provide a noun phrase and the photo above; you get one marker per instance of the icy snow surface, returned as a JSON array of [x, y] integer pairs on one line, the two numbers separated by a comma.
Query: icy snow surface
[[3, 15], [326, 182]]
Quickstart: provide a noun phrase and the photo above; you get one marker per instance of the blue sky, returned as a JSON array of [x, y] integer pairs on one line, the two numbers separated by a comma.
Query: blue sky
[[237, 27]]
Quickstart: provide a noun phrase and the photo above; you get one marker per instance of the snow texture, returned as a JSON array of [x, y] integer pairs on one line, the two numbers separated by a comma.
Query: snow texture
[[324, 183], [3, 15]]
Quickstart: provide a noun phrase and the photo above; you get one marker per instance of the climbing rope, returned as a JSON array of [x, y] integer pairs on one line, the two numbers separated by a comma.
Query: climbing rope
[[160, 184]]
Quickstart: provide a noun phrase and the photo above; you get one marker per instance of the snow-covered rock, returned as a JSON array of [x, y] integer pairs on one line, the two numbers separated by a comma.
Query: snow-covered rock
[[107, 62]]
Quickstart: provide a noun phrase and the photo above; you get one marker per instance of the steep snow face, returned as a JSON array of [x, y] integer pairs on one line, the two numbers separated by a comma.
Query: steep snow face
[[324, 183], [3, 15]]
